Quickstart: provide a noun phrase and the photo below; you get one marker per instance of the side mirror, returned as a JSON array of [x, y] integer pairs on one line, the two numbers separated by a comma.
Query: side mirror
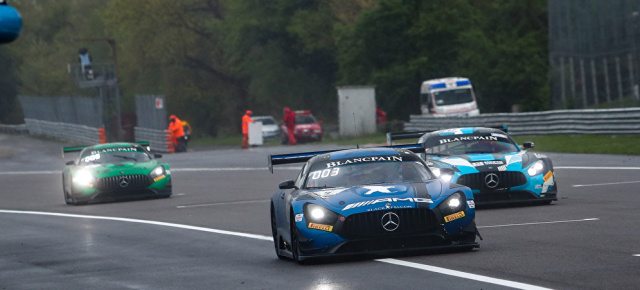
[[528, 145], [287, 184], [156, 155], [71, 162]]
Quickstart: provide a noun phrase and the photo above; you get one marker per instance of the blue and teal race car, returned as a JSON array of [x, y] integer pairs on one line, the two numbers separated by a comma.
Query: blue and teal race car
[[365, 201], [489, 162]]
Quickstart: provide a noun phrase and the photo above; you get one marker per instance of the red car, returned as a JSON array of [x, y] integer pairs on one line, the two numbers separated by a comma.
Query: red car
[[307, 127]]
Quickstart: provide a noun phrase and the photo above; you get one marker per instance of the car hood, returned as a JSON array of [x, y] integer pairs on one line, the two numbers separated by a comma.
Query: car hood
[[120, 168], [473, 163], [369, 197]]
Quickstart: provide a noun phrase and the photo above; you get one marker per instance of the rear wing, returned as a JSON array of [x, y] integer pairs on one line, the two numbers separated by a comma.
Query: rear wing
[[79, 148], [404, 136], [304, 157], [417, 134]]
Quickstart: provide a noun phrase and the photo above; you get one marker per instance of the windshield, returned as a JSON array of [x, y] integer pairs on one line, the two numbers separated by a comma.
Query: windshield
[[305, 119], [367, 173], [469, 144], [114, 155], [453, 97]]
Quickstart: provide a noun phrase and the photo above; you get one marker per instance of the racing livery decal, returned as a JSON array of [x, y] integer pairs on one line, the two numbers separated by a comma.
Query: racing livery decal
[[454, 216], [326, 228]]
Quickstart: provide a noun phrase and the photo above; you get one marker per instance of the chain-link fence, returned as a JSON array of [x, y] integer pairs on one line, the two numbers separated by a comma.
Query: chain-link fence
[[73, 110], [151, 112], [593, 47]]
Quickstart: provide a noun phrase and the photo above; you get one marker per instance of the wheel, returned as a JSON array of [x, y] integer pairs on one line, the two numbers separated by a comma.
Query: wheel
[[295, 244], [274, 233], [68, 199]]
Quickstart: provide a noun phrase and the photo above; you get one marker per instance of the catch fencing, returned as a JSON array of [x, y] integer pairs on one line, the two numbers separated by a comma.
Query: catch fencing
[[152, 119], [595, 121]]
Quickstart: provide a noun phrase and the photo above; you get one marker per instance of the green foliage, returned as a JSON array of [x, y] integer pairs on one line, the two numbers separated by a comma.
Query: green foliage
[[213, 59]]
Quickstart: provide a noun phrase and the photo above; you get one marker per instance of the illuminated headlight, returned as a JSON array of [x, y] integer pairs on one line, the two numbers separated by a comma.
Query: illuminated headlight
[[319, 214], [536, 168], [454, 203], [158, 171], [444, 177], [84, 178]]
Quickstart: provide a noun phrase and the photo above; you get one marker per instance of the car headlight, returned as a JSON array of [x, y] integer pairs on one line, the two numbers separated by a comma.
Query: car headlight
[[317, 131], [157, 172], [319, 214], [443, 176], [84, 178], [453, 204], [536, 168]]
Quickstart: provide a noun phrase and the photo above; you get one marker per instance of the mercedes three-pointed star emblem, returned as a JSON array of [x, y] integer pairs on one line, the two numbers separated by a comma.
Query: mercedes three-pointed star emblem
[[123, 181], [491, 180], [390, 221]]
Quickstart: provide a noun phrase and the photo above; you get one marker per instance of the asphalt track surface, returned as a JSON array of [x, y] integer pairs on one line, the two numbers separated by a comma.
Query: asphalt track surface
[[214, 232]]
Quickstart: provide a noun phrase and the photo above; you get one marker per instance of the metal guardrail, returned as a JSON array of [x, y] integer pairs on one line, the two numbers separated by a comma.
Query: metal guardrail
[[159, 140], [64, 131], [594, 121], [14, 129]]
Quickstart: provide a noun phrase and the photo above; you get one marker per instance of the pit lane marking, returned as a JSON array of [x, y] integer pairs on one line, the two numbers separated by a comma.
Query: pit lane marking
[[599, 184], [541, 223], [223, 203], [461, 274], [269, 238]]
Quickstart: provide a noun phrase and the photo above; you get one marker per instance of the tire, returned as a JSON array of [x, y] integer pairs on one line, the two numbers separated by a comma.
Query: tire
[[68, 199], [295, 244], [274, 233]]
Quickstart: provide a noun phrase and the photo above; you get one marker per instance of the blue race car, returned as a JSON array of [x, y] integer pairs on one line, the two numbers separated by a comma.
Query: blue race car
[[363, 201], [489, 162]]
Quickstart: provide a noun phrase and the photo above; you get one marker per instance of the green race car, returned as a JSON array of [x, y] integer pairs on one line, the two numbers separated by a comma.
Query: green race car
[[114, 171]]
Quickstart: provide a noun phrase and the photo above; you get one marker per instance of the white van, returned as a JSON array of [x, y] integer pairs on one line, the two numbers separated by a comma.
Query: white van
[[448, 97]]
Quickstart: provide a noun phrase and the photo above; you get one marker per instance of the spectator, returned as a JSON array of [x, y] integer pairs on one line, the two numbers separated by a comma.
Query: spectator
[[289, 122], [177, 133], [246, 119], [85, 63]]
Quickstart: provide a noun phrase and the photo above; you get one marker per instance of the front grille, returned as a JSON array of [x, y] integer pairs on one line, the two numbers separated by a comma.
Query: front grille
[[117, 183], [369, 224], [506, 179]]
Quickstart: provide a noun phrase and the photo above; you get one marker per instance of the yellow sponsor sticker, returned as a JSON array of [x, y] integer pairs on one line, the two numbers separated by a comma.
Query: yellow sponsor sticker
[[326, 228], [547, 176], [159, 177], [454, 216]]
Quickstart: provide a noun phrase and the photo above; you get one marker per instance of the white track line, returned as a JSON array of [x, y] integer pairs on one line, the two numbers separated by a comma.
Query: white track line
[[283, 168], [268, 238], [596, 168], [202, 229], [540, 223], [222, 203], [599, 184], [460, 274]]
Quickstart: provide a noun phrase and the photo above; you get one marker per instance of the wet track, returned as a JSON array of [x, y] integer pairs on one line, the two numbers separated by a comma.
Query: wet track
[[215, 233]]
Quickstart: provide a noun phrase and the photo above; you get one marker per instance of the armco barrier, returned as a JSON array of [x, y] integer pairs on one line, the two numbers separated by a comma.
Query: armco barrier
[[595, 121], [64, 131], [159, 140], [14, 129]]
